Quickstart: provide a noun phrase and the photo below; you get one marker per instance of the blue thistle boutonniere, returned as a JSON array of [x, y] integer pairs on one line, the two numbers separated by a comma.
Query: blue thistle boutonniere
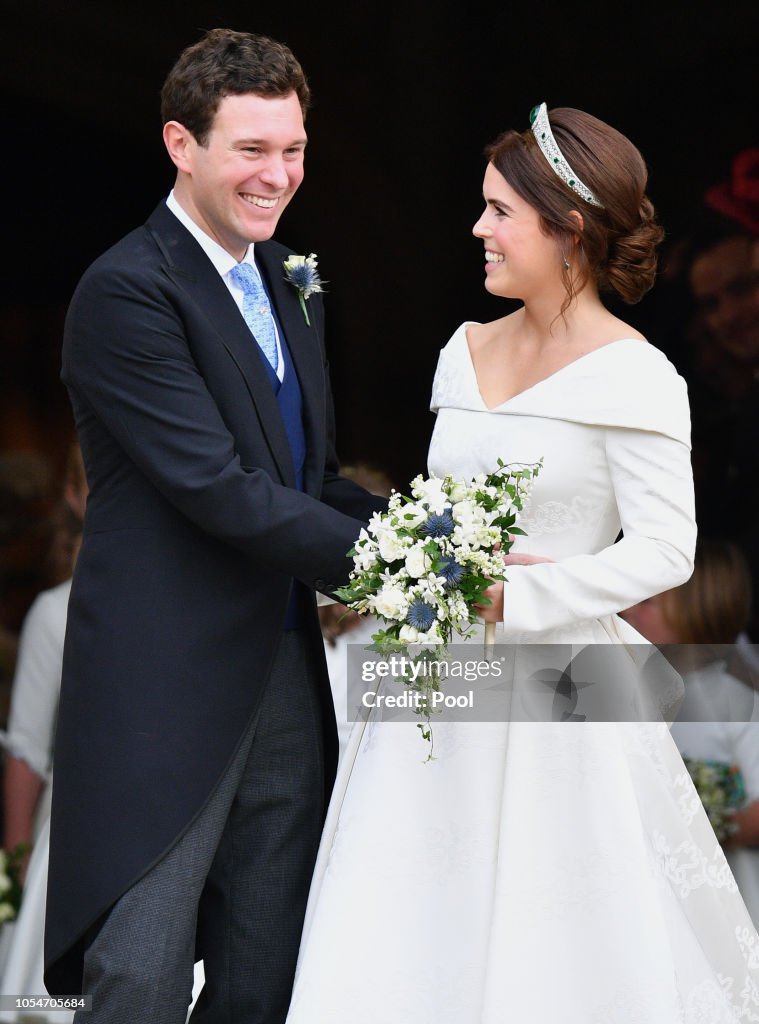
[[301, 272]]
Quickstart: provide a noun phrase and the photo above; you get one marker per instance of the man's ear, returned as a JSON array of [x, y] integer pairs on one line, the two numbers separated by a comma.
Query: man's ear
[[179, 143]]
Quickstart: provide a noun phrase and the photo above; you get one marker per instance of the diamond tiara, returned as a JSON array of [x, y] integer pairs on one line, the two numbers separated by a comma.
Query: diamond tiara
[[549, 147]]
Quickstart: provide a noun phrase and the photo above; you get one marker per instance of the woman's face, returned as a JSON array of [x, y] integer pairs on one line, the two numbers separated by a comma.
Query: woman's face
[[725, 284], [520, 259]]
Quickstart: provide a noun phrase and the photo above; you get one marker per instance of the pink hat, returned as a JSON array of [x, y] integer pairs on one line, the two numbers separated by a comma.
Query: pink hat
[[738, 198]]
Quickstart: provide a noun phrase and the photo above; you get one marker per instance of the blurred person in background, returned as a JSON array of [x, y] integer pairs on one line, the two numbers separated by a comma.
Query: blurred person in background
[[718, 721], [29, 743], [27, 494], [721, 263]]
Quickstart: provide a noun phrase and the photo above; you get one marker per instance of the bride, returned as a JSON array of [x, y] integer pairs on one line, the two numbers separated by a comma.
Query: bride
[[543, 872]]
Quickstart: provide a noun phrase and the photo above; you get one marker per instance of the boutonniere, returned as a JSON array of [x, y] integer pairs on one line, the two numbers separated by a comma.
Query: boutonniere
[[301, 272]]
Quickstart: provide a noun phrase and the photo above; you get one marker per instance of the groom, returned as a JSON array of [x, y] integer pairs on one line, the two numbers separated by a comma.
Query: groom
[[196, 743]]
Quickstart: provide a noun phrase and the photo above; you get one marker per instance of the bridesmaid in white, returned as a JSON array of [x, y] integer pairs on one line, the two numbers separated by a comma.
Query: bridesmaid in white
[[539, 871]]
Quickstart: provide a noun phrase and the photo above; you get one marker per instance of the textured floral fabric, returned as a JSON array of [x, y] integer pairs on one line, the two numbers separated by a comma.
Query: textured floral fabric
[[540, 872]]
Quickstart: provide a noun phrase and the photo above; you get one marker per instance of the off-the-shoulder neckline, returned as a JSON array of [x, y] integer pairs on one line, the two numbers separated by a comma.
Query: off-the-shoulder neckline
[[544, 380]]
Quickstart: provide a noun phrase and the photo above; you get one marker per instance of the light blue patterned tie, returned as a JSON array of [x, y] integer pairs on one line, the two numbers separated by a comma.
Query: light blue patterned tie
[[256, 309]]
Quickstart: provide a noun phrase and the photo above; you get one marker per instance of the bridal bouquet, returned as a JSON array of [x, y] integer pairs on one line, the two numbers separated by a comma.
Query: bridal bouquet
[[10, 881], [424, 564], [722, 791]]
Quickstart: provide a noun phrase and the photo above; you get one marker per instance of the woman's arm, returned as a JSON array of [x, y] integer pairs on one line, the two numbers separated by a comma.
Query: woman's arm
[[653, 486]]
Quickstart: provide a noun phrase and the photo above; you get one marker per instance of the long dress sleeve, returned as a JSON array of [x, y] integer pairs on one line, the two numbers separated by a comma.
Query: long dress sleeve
[[653, 487]]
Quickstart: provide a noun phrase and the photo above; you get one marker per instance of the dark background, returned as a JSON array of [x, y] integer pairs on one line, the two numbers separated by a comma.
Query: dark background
[[406, 96]]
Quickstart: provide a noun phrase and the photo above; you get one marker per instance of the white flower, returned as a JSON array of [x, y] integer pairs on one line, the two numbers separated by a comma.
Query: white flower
[[5, 883], [458, 492], [391, 546], [412, 515], [391, 602], [408, 635], [365, 560], [468, 511], [432, 493], [417, 561], [302, 273], [432, 636]]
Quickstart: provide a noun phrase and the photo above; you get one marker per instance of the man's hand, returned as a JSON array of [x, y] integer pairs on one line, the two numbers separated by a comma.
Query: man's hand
[[335, 620]]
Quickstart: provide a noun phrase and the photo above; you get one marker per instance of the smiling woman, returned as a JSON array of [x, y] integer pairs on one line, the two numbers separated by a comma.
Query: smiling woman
[[548, 866]]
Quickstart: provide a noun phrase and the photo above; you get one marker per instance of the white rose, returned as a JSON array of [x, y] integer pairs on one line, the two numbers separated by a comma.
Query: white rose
[[458, 492], [463, 511], [390, 546], [391, 603], [408, 635], [417, 562]]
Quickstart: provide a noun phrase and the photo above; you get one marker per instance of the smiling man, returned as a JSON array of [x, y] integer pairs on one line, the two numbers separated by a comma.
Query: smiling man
[[196, 744]]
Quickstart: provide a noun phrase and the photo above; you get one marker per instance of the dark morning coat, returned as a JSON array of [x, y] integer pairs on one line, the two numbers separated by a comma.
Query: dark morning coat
[[193, 534]]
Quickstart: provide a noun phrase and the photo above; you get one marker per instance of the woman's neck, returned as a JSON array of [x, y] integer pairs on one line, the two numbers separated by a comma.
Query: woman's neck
[[543, 323]]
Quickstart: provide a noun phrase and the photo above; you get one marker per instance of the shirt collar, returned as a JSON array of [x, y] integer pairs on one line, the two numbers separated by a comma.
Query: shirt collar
[[221, 259]]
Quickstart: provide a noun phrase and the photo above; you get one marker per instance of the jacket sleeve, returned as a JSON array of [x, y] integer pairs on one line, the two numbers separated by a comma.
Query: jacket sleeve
[[127, 358], [653, 485]]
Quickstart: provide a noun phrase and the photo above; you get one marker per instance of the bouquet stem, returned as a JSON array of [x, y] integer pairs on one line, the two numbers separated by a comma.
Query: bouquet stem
[[489, 640]]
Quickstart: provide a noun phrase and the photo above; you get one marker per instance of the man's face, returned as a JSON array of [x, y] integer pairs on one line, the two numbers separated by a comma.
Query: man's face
[[237, 186], [725, 284]]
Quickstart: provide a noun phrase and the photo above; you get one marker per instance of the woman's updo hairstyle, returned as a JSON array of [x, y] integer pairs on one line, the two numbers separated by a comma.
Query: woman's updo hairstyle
[[617, 244]]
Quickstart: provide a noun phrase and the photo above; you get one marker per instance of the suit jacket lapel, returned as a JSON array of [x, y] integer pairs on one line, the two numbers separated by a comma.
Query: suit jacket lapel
[[189, 267], [305, 350]]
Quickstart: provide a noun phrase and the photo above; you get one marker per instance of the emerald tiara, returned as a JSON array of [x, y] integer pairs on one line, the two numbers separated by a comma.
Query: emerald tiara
[[549, 147]]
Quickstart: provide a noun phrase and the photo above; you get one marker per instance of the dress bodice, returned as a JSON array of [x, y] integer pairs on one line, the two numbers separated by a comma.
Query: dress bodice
[[613, 430]]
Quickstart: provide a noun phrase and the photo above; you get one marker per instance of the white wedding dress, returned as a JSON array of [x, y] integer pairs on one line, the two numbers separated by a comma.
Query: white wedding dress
[[540, 873]]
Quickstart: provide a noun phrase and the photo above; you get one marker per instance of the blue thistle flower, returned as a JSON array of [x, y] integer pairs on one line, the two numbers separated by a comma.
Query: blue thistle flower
[[438, 525], [421, 615], [302, 276], [451, 571]]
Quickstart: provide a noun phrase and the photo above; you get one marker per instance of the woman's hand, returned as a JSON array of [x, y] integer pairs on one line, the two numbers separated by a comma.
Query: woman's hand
[[493, 612], [522, 558]]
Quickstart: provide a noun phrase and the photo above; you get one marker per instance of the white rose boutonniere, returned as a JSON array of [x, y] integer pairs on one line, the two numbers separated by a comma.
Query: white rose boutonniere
[[302, 273]]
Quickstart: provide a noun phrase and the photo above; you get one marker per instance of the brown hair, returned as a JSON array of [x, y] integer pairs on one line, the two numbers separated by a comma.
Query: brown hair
[[714, 605], [227, 63], [618, 240]]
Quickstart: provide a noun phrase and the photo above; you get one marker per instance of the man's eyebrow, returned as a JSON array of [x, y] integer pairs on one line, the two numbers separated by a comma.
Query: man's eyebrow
[[266, 142]]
